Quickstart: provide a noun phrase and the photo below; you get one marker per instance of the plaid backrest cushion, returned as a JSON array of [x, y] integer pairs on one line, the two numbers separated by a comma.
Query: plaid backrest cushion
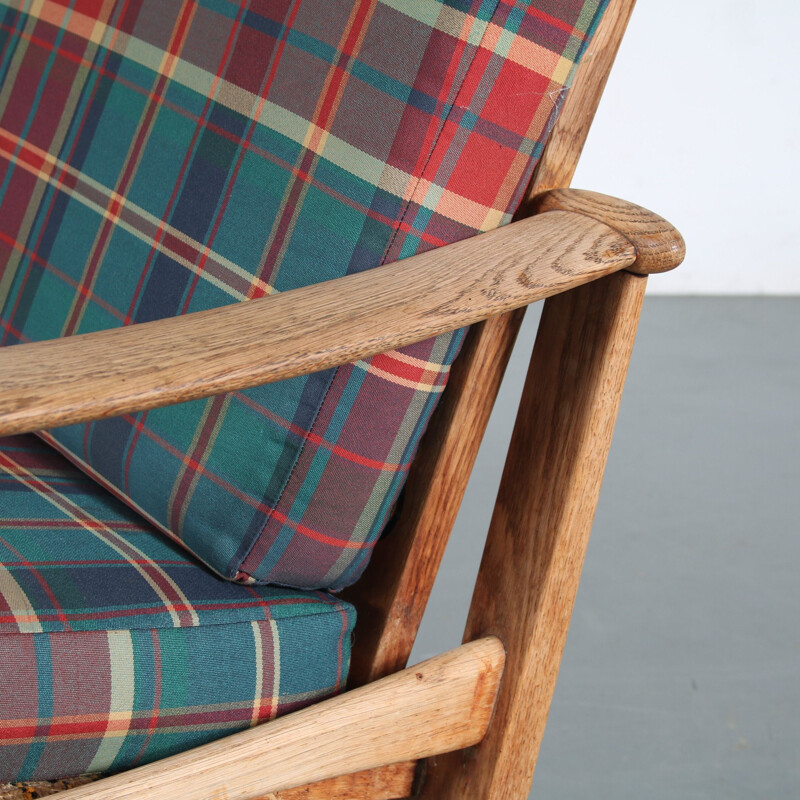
[[158, 158]]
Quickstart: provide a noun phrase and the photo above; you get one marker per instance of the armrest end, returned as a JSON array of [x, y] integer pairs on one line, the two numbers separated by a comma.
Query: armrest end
[[659, 246]]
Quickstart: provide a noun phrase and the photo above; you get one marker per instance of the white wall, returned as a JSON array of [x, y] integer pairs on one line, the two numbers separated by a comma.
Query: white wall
[[701, 123]]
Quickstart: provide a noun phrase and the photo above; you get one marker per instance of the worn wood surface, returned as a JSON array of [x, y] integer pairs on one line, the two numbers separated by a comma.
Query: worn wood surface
[[659, 246], [537, 539], [443, 704], [96, 375], [392, 593], [32, 790], [392, 782]]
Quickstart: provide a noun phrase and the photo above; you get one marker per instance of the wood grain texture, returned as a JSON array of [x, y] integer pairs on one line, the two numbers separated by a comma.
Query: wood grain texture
[[392, 593], [442, 704], [659, 246], [393, 782], [96, 375], [537, 539]]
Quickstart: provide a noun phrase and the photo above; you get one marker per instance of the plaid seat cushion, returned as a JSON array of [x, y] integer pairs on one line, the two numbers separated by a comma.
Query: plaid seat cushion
[[117, 648], [160, 157]]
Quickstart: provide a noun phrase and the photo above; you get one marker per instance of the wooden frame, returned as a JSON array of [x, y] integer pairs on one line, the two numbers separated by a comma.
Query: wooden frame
[[582, 237], [537, 539]]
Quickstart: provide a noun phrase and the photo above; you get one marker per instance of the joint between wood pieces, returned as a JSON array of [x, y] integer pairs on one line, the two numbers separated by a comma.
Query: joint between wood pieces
[[658, 244]]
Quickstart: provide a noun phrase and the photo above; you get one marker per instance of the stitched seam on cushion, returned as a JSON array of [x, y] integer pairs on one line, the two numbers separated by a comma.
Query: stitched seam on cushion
[[334, 608], [105, 486], [330, 604], [289, 476], [435, 142]]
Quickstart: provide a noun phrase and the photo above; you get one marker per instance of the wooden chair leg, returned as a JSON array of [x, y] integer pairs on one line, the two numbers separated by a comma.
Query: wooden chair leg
[[540, 528]]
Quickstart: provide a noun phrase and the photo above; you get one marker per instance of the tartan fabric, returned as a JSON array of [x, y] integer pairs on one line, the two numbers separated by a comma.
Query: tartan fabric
[[117, 648], [158, 158]]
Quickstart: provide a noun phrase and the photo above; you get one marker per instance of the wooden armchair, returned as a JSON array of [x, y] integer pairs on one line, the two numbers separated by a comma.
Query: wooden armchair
[[467, 723]]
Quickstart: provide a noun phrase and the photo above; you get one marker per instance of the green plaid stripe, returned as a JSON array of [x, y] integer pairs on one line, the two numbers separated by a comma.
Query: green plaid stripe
[[158, 158], [117, 649]]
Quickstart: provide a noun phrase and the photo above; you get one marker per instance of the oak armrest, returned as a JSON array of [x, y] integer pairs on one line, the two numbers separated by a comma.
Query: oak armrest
[[96, 375]]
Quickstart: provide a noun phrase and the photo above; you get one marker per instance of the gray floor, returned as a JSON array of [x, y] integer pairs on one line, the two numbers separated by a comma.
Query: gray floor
[[681, 675]]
